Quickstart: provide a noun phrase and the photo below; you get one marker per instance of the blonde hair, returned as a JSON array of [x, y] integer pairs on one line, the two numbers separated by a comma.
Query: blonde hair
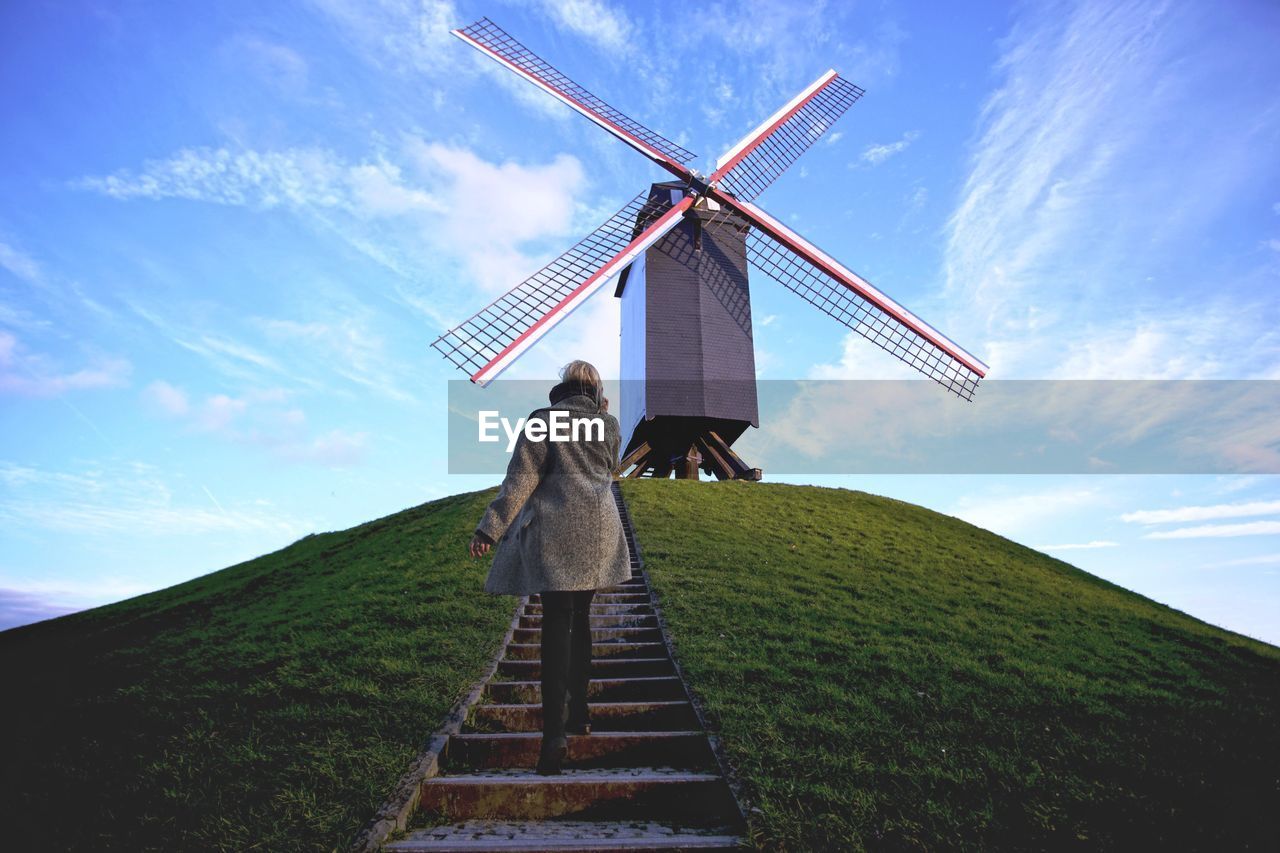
[[580, 371]]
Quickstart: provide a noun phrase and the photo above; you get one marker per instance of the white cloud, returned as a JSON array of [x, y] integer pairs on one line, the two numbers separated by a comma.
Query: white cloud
[[835, 137], [404, 36], [28, 374], [1257, 560], [877, 154], [378, 189], [169, 399], [1249, 528], [279, 65], [780, 44], [1015, 513], [1081, 546], [485, 214], [109, 498], [19, 263], [263, 418], [299, 178], [861, 359], [347, 345], [607, 27], [1202, 513], [1173, 344], [1097, 104], [496, 210]]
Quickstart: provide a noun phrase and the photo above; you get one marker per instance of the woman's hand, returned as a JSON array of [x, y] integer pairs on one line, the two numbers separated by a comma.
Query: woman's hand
[[480, 545], [604, 404]]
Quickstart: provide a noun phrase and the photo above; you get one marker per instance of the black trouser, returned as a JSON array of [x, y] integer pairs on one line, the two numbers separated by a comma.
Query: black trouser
[[566, 657]]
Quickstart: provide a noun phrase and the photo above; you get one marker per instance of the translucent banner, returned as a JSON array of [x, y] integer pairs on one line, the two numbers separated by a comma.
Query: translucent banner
[[915, 427]]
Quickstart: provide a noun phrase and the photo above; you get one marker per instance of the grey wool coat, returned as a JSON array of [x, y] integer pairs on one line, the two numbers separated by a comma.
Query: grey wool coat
[[554, 521]]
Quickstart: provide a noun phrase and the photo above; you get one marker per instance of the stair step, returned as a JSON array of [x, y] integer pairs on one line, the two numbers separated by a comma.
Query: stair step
[[551, 836], [598, 635], [653, 715], [606, 598], [583, 793], [677, 748], [598, 690], [645, 779], [600, 667], [602, 620], [616, 649], [642, 608]]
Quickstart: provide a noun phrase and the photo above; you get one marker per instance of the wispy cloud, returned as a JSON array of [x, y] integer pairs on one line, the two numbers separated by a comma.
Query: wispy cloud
[[264, 418], [19, 263], [1015, 513], [30, 374], [413, 39], [229, 356], [605, 26], [23, 608], [1256, 560], [401, 36], [1202, 513], [877, 154], [785, 44], [118, 498], [538, 201], [498, 244], [347, 344], [1099, 101], [278, 65], [1080, 546], [300, 178], [1249, 528]]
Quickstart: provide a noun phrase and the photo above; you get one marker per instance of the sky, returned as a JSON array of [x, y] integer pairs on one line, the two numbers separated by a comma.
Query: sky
[[231, 231]]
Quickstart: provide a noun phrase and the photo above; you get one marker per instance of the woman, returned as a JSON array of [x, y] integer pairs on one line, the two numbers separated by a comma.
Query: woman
[[557, 533]]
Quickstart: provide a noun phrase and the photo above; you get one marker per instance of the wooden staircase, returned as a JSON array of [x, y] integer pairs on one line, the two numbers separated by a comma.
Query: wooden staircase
[[645, 779]]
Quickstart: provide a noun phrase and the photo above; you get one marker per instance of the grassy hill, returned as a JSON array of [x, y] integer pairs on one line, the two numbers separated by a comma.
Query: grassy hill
[[882, 675], [268, 706], [890, 677]]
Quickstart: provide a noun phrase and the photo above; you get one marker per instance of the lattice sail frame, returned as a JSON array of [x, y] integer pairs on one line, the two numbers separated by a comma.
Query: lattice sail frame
[[491, 339], [490, 39], [860, 314], [887, 324], [494, 337], [748, 168]]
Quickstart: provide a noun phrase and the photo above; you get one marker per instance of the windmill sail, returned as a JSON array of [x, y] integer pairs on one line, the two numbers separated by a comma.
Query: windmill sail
[[494, 42], [494, 337], [806, 270], [749, 167]]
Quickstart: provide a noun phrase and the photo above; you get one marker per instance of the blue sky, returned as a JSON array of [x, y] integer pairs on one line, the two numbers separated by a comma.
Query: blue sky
[[231, 231]]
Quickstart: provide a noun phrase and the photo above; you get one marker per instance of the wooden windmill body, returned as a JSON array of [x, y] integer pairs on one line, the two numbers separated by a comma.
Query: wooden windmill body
[[680, 252], [687, 361]]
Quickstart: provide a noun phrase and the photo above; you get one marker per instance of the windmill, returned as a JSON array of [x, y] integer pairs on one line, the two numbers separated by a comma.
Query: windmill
[[680, 252]]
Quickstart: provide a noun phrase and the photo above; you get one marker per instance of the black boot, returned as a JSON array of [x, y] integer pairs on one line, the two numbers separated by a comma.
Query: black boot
[[553, 752]]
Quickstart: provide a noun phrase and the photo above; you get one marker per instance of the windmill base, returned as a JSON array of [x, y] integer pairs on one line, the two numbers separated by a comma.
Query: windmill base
[[707, 451]]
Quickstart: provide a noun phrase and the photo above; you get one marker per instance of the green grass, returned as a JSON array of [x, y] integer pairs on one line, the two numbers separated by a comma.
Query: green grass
[[883, 676], [269, 706], [888, 677]]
